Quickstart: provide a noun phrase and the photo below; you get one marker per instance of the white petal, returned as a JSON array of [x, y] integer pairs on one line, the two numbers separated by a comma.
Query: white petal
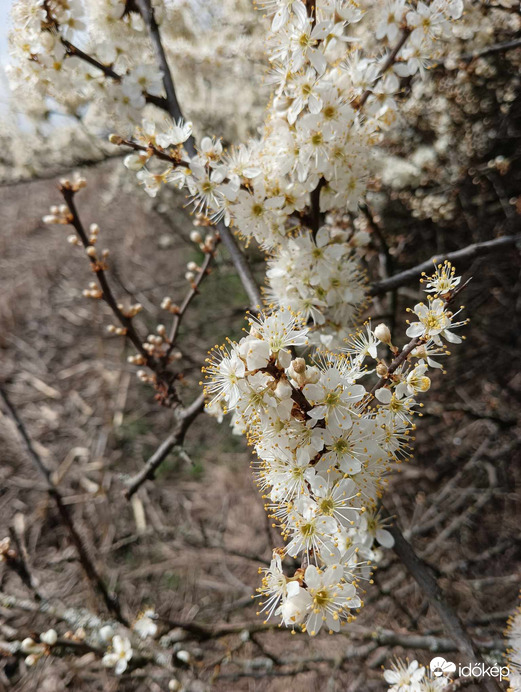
[[415, 329], [384, 538], [312, 577], [384, 395]]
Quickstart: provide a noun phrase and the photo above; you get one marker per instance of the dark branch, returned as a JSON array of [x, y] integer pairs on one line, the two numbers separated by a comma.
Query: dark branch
[[164, 378], [387, 64], [465, 256], [427, 583], [147, 12], [73, 50]]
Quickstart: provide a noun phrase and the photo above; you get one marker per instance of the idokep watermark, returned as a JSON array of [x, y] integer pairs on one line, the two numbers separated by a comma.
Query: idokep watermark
[[440, 667]]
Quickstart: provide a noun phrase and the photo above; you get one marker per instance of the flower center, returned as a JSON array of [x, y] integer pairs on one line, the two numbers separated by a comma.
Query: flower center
[[308, 530], [321, 598], [327, 506], [332, 399]]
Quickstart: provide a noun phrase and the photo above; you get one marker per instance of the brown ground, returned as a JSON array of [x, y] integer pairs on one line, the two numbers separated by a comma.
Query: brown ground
[[195, 555]]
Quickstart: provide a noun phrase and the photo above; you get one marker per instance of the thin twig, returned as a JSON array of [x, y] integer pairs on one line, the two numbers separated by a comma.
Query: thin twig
[[387, 64], [175, 439], [465, 255], [74, 51], [168, 393], [108, 296], [90, 570], [202, 272]]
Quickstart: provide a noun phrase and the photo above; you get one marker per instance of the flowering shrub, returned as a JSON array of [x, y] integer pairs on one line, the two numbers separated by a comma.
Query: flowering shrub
[[327, 404]]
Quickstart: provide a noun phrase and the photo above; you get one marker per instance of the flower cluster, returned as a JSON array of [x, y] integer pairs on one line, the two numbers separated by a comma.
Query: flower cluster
[[324, 443], [314, 156], [117, 646], [403, 676]]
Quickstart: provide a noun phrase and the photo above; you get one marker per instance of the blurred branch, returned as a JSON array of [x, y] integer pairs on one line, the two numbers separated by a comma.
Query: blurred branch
[[464, 256], [185, 418], [62, 170], [490, 50], [90, 570]]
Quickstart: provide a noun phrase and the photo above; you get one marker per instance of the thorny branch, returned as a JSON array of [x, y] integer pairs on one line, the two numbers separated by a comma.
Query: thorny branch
[[241, 265], [54, 493]]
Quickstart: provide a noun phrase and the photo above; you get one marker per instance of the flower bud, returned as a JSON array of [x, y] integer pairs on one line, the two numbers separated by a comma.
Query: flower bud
[[382, 370], [299, 365], [195, 237], [192, 266], [27, 645], [382, 333], [50, 637], [31, 660], [312, 374], [184, 656], [174, 685]]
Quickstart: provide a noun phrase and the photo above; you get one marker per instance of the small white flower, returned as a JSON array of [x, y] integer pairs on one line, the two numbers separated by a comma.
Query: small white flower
[[145, 625], [404, 676], [120, 655]]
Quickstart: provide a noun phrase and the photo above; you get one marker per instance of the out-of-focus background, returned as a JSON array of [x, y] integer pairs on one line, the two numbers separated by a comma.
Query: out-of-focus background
[[190, 544]]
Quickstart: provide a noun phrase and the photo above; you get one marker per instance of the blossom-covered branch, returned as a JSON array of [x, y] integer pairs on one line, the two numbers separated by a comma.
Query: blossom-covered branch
[[323, 451]]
